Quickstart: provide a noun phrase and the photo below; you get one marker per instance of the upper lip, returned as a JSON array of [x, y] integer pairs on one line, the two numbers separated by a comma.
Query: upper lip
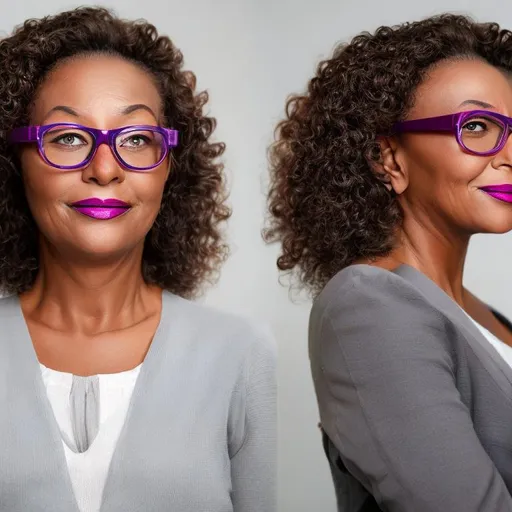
[[505, 188], [98, 203]]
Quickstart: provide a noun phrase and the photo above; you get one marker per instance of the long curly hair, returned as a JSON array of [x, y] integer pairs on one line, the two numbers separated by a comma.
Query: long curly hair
[[185, 246], [327, 207]]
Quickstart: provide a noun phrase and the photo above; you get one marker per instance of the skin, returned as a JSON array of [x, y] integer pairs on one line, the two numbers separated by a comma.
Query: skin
[[89, 311], [438, 183]]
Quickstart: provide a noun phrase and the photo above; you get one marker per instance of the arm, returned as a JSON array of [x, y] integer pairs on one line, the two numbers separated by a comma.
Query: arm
[[384, 378], [254, 464]]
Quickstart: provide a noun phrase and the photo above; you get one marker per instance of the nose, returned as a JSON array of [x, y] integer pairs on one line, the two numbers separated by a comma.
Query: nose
[[104, 168], [504, 157]]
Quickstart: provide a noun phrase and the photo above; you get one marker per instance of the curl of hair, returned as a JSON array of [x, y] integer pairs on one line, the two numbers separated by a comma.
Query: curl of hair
[[327, 207], [185, 247]]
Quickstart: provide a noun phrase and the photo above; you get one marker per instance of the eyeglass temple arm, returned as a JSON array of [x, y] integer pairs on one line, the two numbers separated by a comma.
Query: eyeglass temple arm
[[24, 134], [432, 124]]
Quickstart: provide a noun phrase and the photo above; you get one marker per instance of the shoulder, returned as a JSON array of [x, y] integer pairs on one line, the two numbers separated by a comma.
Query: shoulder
[[222, 330], [373, 313], [374, 289], [364, 282]]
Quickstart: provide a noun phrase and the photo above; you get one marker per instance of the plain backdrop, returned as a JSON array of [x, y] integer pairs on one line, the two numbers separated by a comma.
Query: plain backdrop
[[250, 54]]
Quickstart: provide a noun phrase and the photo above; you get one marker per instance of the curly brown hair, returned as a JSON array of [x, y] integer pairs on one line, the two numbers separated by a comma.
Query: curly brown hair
[[327, 207], [185, 247]]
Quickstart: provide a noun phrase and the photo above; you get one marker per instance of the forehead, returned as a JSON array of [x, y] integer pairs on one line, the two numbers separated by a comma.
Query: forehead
[[453, 82], [97, 82]]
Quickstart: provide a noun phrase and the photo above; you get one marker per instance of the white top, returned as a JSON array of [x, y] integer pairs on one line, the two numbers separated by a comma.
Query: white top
[[504, 350], [88, 470]]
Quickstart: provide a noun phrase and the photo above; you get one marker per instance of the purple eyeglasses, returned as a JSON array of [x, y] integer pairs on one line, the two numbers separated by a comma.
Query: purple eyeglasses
[[72, 146], [478, 132]]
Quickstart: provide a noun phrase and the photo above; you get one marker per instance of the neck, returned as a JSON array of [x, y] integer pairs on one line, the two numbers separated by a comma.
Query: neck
[[90, 298], [440, 255]]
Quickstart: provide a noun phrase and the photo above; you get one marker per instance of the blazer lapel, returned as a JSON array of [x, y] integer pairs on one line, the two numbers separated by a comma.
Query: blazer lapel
[[495, 364]]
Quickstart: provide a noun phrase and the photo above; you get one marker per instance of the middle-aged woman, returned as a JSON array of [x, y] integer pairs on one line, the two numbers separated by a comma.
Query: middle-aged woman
[[117, 392], [396, 155]]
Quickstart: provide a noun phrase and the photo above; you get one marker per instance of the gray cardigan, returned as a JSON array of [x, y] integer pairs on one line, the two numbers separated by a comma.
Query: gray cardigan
[[415, 403], [200, 432]]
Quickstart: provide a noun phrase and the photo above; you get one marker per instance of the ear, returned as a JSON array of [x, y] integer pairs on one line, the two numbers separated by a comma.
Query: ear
[[387, 166]]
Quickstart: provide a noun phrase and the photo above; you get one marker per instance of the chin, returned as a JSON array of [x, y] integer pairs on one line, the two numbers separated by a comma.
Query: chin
[[101, 246], [496, 226]]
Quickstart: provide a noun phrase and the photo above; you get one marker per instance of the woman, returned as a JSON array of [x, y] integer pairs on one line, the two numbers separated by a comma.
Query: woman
[[118, 392], [381, 172]]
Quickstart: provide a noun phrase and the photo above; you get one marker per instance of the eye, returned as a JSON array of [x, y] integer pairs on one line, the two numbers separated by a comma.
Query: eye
[[135, 140], [475, 126], [69, 139]]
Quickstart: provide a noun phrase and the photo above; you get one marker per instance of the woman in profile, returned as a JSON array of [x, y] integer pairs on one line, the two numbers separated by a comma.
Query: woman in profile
[[118, 392], [382, 171]]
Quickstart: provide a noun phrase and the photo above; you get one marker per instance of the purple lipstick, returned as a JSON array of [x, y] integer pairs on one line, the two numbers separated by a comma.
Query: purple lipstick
[[500, 192], [102, 209]]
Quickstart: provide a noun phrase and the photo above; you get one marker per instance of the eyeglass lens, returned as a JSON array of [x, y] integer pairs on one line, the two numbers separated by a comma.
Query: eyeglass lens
[[481, 133]]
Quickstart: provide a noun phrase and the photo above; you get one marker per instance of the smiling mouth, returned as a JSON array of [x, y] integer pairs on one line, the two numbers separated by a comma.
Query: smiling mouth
[[101, 209], [500, 192]]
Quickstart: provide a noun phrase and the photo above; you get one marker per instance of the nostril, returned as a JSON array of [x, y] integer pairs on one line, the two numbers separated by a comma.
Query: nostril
[[99, 181]]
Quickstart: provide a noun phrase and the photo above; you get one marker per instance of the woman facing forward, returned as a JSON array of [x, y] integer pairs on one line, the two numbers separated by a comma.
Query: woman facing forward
[[118, 393]]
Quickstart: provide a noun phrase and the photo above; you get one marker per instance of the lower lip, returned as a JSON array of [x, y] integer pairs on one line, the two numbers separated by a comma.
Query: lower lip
[[100, 212], [500, 196]]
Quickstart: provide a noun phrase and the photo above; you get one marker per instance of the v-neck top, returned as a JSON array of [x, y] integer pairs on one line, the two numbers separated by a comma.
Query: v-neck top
[[88, 469]]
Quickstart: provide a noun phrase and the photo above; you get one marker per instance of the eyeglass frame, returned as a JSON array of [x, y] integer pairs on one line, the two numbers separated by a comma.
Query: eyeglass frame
[[30, 134], [454, 123]]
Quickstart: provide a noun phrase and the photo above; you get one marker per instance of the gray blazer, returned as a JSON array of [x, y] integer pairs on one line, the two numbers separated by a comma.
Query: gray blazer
[[200, 433], [415, 403]]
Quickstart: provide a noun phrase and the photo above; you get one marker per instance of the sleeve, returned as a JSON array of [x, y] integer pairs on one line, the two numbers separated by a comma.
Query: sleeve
[[384, 378], [254, 465]]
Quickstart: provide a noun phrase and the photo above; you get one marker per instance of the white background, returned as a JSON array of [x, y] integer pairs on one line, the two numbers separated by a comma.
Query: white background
[[250, 54]]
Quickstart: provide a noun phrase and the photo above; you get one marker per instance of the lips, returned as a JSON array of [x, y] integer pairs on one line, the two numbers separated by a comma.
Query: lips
[[500, 192], [102, 209]]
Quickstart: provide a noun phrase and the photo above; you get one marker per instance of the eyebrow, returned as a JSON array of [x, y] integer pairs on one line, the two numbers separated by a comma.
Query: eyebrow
[[61, 108], [139, 106], [479, 103], [124, 111]]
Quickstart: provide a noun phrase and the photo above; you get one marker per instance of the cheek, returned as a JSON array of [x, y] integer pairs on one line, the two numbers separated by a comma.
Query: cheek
[[42, 185], [148, 191], [47, 188], [149, 187], [440, 164]]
